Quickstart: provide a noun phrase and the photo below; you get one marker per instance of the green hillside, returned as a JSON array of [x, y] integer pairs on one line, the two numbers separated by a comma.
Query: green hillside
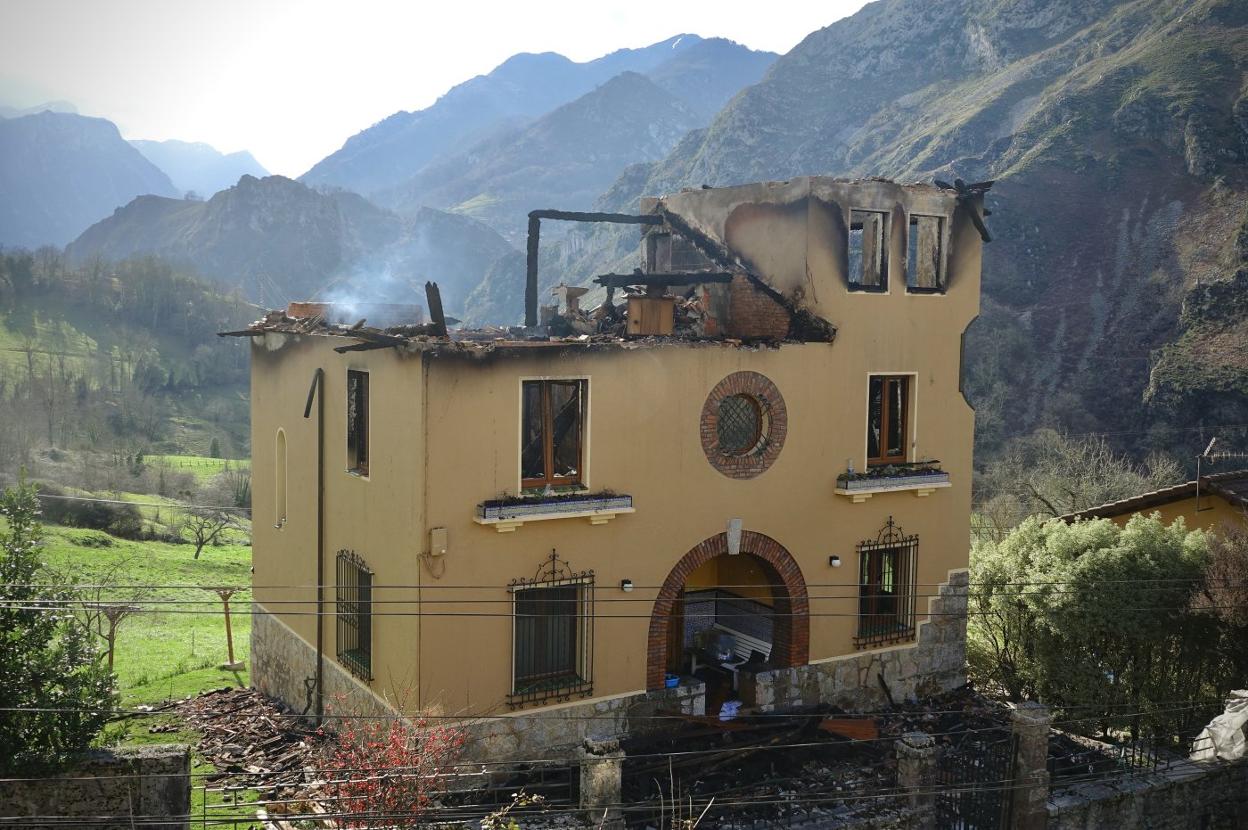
[[107, 362]]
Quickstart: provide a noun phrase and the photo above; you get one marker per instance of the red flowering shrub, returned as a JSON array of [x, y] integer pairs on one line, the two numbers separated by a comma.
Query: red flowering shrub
[[385, 772]]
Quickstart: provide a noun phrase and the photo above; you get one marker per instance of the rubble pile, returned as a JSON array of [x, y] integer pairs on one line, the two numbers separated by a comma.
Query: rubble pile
[[815, 766], [251, 741]]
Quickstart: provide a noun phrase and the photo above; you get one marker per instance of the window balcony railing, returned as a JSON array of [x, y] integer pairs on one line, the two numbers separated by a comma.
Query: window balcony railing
[[920, 477], [507, 514]]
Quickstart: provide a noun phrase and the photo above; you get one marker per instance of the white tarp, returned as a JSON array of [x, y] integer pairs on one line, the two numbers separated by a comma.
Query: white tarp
[[1224, 736]]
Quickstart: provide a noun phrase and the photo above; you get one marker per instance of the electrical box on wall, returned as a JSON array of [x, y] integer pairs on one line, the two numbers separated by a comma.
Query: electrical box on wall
[[437, 541]]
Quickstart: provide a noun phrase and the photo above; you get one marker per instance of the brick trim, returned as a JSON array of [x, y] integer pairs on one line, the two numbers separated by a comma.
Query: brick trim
[[776, 426], [791, 638]]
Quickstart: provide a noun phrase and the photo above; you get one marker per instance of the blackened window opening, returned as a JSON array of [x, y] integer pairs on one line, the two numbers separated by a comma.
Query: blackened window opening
[[886, 590], [355, 615], [739, 425], [868, 250], [888, 404], [924, 254], [357, 422], [553, 430]]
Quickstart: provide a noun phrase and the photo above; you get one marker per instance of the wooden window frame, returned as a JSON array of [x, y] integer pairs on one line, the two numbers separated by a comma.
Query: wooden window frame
[[912, 230], [362, 429], [884, 458], [548, 479], [854, 281]]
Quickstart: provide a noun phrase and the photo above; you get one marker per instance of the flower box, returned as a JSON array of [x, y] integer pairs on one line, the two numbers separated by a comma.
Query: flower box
[[510, 513], [921, 480]]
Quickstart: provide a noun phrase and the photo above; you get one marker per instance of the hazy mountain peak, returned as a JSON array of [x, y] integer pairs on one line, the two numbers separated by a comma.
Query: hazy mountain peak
[[7, 111], [199, 167], [522, 87], [59, 172]]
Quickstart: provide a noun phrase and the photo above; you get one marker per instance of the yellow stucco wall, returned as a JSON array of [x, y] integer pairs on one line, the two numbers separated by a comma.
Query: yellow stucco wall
[[1214, 513], [445, 435]]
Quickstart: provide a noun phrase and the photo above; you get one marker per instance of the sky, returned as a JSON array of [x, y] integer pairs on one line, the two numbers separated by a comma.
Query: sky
[[290, 80]]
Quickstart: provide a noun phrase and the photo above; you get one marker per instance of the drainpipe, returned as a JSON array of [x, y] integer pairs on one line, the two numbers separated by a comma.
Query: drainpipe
[[318, 389]]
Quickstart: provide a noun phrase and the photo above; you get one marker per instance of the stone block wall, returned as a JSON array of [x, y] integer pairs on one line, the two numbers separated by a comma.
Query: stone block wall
[[1189, 796], [283, 665], [934, 663], [147, 786]]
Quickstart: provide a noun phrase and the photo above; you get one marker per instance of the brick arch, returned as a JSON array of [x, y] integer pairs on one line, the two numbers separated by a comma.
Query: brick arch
[[791, 626]]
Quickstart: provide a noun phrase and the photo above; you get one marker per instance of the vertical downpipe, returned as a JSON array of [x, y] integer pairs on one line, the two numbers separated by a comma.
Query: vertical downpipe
[[318, 389]]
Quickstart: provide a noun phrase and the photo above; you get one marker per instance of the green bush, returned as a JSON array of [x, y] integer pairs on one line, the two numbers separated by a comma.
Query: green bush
[[121, 520], [56, 693], [1097, 620]]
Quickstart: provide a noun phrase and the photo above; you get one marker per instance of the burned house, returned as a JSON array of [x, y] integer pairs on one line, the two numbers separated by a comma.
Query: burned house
[[741, 473]]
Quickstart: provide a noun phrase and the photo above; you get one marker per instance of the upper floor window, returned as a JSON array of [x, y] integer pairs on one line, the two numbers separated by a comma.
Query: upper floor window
[[355, 614], [868, 250], [553, 432], [925, 267], [357, 422], [888, 406]]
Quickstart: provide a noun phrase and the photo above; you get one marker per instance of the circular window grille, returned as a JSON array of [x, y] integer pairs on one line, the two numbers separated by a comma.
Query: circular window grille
[[743, 425], [740, 426]]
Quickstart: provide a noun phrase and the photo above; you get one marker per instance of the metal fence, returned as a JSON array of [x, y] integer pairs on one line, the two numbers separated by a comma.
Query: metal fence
[[973, 781]]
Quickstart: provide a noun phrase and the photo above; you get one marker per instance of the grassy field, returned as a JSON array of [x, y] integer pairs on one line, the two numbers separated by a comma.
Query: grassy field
[[162, 653], [202, 467]]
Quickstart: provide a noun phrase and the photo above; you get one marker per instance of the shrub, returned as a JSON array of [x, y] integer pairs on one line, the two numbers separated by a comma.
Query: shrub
[[121, 520], [56, 694], [387, 768], [1095, 618]]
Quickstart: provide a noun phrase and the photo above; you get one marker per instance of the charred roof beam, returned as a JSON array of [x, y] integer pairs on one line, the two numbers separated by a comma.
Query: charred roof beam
[[535, 233], [662, 280]]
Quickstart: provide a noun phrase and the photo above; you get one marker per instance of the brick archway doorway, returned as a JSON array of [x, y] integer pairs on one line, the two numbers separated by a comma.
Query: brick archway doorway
[[790, 602]]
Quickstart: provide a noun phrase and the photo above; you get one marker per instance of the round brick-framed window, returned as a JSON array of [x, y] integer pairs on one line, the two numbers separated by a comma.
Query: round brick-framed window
[[743, 425]]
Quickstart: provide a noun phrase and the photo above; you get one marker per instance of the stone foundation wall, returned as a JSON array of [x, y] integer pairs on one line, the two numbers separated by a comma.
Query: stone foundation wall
[[934, 663], [1189, 796], [107, 790], [283, 666]]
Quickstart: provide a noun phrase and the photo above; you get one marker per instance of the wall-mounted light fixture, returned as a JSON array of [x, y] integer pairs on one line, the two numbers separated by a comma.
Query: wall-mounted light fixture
[[626, 585], [834, 561]]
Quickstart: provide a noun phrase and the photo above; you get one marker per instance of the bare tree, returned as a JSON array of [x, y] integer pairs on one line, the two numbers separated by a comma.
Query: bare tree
[[106, 603], [1051, 475], [206, 526]]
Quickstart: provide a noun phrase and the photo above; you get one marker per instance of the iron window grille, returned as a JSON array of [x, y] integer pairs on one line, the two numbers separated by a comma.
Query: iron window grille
[[887, 573], [552, 634], [357, 422], [741, 427], [355, 614]]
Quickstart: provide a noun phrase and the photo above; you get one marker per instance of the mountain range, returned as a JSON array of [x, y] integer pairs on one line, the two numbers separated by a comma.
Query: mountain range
[[276, 239], [524, 87], [197, 167], [59, 172], [1117, 131]]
